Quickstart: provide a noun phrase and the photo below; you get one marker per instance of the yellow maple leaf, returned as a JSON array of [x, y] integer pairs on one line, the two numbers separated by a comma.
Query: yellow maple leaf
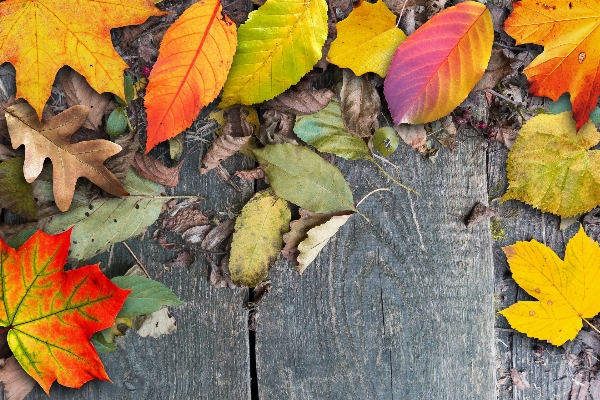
[[38, 37], [366, 40], [568, 291], [552, 168]]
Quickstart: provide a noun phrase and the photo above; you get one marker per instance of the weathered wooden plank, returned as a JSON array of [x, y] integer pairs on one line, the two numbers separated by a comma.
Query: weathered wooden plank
[[208, 356], [547, 368], [398, 307]]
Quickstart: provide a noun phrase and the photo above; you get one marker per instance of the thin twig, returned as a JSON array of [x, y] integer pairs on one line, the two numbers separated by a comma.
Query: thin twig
[[593, 327], [137, 260]]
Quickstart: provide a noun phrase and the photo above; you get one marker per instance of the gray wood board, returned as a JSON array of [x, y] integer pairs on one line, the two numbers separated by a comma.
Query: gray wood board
[[548, 369], [396, 308], [207, 357]]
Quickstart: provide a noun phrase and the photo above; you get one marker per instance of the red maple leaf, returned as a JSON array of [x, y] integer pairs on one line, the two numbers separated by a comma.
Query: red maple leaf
[[51, 314]]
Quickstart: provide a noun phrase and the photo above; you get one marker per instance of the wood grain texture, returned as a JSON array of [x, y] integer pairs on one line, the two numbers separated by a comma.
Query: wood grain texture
[[398, 308], [548, 369], [207, 357]]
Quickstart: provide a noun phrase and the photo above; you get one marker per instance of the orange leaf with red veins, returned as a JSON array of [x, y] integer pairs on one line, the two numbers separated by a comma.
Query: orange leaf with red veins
[[570, 32], [434, 70], [51, 314], [40, 37], [193, 62]]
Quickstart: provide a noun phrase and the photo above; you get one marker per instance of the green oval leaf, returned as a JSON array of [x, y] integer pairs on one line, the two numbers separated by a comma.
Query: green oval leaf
[[326, 132], [302, 177], [147, 296], [385, 141], [116, 124]]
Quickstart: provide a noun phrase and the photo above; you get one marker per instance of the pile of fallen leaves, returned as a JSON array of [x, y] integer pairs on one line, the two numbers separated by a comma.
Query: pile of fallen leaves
[[266, 70]]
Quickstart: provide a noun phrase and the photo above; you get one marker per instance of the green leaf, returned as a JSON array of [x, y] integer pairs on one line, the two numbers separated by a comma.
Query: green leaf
[[385, 140], [129, 91], [147, 296], [257, 240], [101, 344], [278, 44], [15, 194], [305, 179], [326, 132], [117, 122], [20, 238], [101, 223]]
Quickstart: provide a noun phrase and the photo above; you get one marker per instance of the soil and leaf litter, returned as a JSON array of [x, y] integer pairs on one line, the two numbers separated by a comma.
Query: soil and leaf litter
[[296, 85]]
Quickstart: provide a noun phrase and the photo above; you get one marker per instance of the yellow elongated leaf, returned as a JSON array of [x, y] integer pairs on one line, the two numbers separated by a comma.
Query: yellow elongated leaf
[[257, 238], [279, 43], [366, 40], [552, 168], [567, 291]]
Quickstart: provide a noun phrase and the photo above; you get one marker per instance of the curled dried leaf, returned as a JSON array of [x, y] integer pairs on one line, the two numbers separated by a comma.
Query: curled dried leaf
[[278, 128], [155, 171], [300, 102], [251, 174], [360, 104], [78, 92]]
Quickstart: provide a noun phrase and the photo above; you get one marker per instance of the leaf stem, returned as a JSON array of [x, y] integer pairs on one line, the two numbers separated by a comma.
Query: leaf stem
[[137, 260], [370, 193], [383, 171], [589, 323]]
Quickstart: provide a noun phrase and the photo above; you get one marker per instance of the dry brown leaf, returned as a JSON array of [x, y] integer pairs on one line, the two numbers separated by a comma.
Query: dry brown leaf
[[444, 131], [580, 386], [219, 274], [52, 139], [498, 68], [217, 235], [507, 136], [479, 213], [519, 379], [183, 217], [237, 131], [360, 104], [155, 171], [17, 383], [300, 102], [299, 231], [413, 135], [251, 174], [78, 92], [196, 234], [184, 259], [278, 128], [121, 163]]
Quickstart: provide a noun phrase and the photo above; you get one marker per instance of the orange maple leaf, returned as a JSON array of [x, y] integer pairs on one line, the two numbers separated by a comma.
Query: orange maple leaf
[[569, 32], [51, 314], [193, 62], [39, 37]]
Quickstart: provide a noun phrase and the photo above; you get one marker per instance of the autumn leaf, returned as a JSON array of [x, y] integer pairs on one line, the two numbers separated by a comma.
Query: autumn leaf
[[360, 104], [552, 168], [155, 171], [325, 131], [52, 139], [193, 61], [278, 44], [100, 223], [300, 102], [366, 40], [385, 140], [317, 238], [567, 291], [41, 37], [434, 70], [305, 179], [78, 92], [257, 238], [51, 314], [569, 32]]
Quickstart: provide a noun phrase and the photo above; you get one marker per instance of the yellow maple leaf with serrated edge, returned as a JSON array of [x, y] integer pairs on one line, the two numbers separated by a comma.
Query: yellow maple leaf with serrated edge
[[38, 37], [568, 291], [366, 40], [552, 168]]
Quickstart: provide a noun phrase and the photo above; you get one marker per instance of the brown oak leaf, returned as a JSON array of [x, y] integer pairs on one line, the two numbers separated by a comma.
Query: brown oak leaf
[[52, 139]]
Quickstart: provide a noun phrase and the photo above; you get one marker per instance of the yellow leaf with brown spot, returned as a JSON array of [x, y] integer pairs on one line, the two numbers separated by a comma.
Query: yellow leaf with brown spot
[[568, 291], [40, 37]]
